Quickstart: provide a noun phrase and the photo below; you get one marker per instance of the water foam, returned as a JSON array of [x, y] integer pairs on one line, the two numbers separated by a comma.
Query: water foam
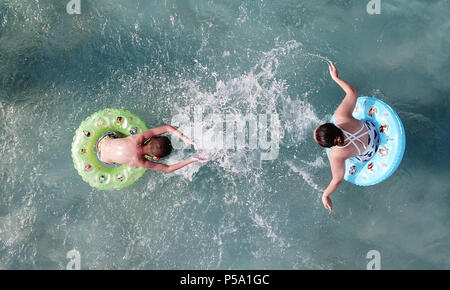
[[258, 91]]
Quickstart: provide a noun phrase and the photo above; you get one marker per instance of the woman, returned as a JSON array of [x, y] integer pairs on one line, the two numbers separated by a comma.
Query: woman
[[347, 138]]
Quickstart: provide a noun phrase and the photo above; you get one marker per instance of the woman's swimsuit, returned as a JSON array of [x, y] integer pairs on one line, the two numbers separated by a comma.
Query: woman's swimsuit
[[102, 138], [371, 148]]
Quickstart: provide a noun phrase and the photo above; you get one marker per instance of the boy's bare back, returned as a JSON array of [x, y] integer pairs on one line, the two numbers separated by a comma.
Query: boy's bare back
[[128, 150]]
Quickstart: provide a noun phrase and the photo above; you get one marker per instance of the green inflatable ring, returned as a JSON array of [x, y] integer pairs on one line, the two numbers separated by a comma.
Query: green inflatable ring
[[84, 155]]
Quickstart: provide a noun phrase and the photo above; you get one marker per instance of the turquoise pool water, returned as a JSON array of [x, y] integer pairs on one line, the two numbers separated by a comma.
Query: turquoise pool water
[[163, 58]]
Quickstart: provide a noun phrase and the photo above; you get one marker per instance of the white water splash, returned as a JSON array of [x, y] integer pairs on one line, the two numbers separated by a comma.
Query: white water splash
[[305, 175], [258, 91]]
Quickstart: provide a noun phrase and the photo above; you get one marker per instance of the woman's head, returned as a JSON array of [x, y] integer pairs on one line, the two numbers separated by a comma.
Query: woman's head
[[328, 135], [160, 146]]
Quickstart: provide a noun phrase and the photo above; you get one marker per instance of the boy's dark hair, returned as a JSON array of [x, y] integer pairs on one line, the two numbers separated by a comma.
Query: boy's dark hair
[[328, 135], [160, 146]]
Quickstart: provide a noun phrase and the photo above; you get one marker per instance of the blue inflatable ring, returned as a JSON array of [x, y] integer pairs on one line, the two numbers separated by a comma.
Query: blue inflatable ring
[[390, 149]]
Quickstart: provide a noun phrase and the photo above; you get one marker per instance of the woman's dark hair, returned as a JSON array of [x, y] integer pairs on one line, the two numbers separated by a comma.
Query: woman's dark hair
[[328, 135], [160, 146]]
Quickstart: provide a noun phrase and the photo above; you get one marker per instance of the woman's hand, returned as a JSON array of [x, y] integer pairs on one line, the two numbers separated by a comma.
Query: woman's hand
[[327, 202], [334, 73]]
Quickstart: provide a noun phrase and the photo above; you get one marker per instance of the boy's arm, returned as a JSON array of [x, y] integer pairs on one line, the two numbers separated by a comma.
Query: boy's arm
[[156, 131], [170, 168], [345, 109], [167, 129]]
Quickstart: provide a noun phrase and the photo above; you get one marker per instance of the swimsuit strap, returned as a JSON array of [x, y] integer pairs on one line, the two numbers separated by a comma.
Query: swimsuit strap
[[354, 137]]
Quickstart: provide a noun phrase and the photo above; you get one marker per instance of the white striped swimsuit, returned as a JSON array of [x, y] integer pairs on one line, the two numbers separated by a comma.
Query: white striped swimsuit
[[373, 141]]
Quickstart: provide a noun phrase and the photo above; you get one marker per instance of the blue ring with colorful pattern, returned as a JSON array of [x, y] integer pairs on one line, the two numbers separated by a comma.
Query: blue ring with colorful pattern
[[391, 146]]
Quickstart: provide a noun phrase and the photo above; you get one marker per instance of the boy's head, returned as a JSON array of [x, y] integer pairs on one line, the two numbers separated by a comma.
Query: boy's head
[[159, 146], [328, 135]]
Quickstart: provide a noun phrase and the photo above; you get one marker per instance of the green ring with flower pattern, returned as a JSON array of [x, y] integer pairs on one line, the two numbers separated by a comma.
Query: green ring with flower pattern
[[92, 170]]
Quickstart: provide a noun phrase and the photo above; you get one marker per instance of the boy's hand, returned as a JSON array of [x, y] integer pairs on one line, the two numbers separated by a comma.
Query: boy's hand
[[327, 202], [200, 158], [334, 73]]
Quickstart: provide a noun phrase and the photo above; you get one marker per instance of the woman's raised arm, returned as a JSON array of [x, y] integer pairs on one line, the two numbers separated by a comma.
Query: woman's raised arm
[[345, 109]]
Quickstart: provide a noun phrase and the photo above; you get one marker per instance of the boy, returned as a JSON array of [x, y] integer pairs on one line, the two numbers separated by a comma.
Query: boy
[[132, 150]]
